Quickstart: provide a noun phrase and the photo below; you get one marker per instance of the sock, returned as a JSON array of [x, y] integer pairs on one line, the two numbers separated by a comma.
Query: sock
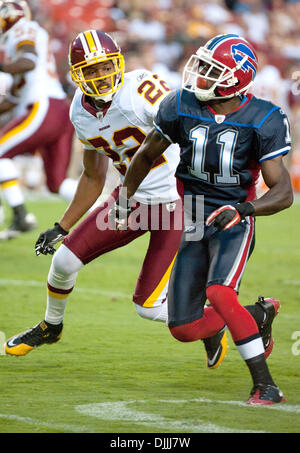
[[61, 280], [68, 188], [259, 370], [56, 304], [19, 211], [242, 326], [9, 182], [238, 320], [12, 193]]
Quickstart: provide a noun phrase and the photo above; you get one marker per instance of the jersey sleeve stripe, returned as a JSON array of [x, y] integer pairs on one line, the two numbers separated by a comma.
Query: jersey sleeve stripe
[[86, 145], [83, 141], [162, 133], [277, 153]]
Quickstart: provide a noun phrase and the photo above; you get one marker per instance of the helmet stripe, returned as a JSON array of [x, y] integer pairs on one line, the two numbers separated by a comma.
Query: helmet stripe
[[96, 40], [90, 41], [84, 43], [218, 39]]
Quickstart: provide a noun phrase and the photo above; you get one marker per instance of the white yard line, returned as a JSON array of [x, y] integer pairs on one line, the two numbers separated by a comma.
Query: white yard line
[[123, 411], [34, 283], [57, 426], [292, 282]]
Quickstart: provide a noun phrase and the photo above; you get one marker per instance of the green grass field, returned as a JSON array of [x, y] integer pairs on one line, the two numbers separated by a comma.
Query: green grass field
[[114, 372]]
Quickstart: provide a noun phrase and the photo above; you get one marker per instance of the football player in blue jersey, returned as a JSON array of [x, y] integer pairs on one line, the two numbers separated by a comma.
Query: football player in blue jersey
[[227, 137]]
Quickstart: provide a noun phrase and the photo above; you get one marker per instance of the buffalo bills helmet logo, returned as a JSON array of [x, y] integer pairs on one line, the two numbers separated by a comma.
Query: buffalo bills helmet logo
[[239, 51]]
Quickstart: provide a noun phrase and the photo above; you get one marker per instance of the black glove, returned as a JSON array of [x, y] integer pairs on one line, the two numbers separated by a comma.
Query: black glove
[[227, 216], [48, 239], [119, 214]]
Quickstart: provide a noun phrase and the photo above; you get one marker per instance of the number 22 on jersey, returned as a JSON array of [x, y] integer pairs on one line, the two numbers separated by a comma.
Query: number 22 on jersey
[[120, 156]]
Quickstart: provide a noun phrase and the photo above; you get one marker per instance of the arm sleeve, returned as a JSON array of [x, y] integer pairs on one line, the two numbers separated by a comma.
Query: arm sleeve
[[166, 120], [274, 136]]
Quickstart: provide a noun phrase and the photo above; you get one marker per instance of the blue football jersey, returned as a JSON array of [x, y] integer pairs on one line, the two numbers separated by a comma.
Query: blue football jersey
[[221, 154]]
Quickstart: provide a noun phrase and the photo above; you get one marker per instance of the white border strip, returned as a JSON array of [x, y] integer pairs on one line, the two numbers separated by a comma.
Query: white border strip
[[275, 153], [34, 283]]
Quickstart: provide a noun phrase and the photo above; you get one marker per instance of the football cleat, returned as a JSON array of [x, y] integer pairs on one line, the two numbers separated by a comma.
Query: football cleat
[[216, 348], [263, 394], [18, 226], [26, 341], [270, 306]]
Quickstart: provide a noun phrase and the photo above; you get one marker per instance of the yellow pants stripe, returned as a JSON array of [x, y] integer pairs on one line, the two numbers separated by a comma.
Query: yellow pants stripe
[[27, 121], [7, 184], [154, 296]]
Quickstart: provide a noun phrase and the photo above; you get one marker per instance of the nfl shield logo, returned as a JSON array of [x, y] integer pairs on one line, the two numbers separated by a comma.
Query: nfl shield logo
[[219, 118]]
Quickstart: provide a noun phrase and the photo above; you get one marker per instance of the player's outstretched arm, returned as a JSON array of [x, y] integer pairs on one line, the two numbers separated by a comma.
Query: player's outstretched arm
[[151, 149], [280, 193], [25, 61], [278, 197], [89, 188]]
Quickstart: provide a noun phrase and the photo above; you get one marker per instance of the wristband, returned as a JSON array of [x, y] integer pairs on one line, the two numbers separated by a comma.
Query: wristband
[[245, 209], [60, 229]]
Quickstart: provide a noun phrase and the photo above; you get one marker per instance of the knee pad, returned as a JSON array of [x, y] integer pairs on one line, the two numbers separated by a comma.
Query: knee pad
[[157, 313], [64, 268], [65, 262]]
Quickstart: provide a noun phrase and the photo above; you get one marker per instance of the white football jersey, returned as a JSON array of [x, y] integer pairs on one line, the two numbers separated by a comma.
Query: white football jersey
[[121, 130], [42, 81]]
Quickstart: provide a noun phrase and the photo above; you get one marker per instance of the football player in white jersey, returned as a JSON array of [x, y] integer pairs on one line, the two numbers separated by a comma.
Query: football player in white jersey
[[40, 117], [112, 112]]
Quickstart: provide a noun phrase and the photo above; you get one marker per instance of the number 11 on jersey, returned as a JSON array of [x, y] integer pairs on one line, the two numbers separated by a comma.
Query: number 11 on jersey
[[227, 140]]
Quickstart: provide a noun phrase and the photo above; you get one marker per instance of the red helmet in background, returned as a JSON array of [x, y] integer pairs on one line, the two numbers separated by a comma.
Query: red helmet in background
[[228, 62], [11, 13], [91, 48]]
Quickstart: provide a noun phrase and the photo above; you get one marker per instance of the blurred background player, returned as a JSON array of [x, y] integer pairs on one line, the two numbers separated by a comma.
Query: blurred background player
[[40, 119], [6, 82]]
